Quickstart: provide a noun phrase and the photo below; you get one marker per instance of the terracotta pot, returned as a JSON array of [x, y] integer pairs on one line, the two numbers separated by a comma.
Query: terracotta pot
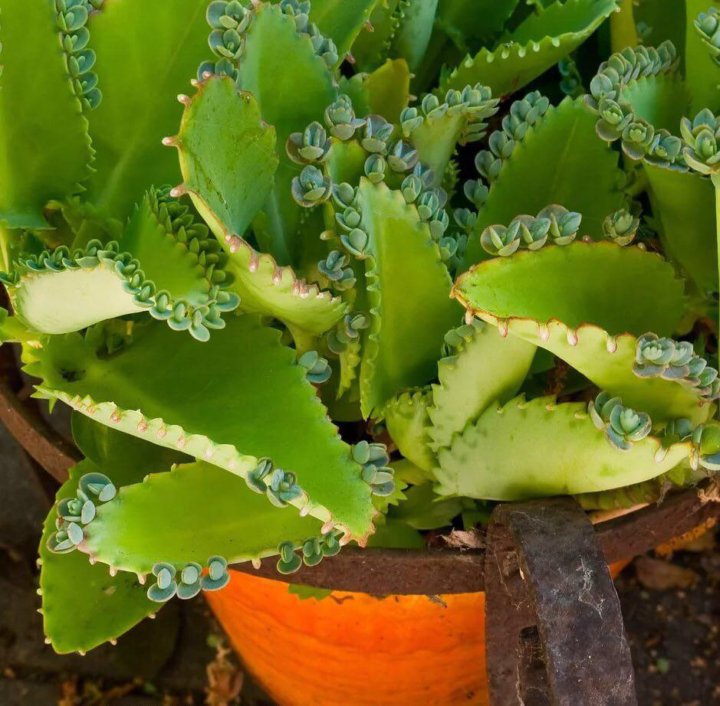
[[351, 649]]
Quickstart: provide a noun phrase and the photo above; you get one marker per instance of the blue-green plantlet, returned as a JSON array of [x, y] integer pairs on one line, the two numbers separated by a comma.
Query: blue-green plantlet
[[309, 274]]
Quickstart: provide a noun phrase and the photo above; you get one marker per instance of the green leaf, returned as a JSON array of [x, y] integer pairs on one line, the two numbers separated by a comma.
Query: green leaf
[[128, 457], [413, 36], [471, 21], [228, 161], [407, 421], [685, 204], [291, 95], [266, 288], [371, 48], [539, 448], [702, 73], [194, 512], [555, 298], [83, 606], [44, 142], [146, 53], [396, 535], [650, 491], [227, 156], [662, 100], [406, 331], [342, 21], [443, 128], [585, 176], [537, 44], [423, 509], [664, 20], [388, 89], [165, 264], [485, 367], [232, 401]]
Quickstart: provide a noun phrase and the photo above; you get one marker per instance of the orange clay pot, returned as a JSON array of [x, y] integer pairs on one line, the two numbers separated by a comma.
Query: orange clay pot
[[351, 649]]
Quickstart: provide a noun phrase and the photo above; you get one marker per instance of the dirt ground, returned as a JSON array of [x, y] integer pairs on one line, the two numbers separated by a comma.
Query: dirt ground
[[671, 607]]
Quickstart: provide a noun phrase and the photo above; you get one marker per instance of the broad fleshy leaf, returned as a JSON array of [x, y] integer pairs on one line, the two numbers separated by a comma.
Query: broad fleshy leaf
[[146, 54], [540, 448], [194, 512], [591, 318], [233, 401], [44, 141]]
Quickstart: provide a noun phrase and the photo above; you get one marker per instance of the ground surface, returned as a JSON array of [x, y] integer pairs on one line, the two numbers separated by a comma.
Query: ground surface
[[671, 608]]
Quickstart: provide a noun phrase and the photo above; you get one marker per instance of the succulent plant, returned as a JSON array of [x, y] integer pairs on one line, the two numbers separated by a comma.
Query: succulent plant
[[321, 245]]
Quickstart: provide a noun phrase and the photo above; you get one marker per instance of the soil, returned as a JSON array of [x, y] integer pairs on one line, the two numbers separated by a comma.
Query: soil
[[671, 606]]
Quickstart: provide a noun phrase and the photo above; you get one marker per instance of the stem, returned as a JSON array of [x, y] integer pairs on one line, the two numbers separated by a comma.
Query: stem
[[701, 71], [5, 237], [622, 27], [716, 183]]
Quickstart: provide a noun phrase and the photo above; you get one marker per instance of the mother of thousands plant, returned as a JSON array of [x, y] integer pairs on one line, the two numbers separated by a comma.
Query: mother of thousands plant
[[208, 285]]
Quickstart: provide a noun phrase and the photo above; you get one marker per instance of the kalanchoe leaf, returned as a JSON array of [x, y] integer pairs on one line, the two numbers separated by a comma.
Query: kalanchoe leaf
[[426, 175], [336, 268], [350, 218], [74, 533], [428, 204], [356, 242], [439, 224], [410, 120], [256, 479], [331, 543], [228, 15], [533, 231], [346, 331], [227, 44], [622, 425], [282, 488], [706, 440], [675, 360], [488, 165], [312, 553], [217, 576], [318, 368], [311, 187], [377, 134], [476, 192], [311, 145], [499, 240], [564, 224], [402, 157], [88, 512], [340, 118], [700, 137], [375, 166], [707, 25], [666, 148], [344, 195], [60, 543], [677, 430], [70, 509], [654, 352], [289, 562], [465, 218], [98, 485], [601, 408], [190, 581], [621, 227], [412, 186], [165, 586], [365, 452]]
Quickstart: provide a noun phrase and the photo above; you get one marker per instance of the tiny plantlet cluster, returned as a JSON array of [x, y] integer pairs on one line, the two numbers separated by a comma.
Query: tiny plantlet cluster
[[314, 272]]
